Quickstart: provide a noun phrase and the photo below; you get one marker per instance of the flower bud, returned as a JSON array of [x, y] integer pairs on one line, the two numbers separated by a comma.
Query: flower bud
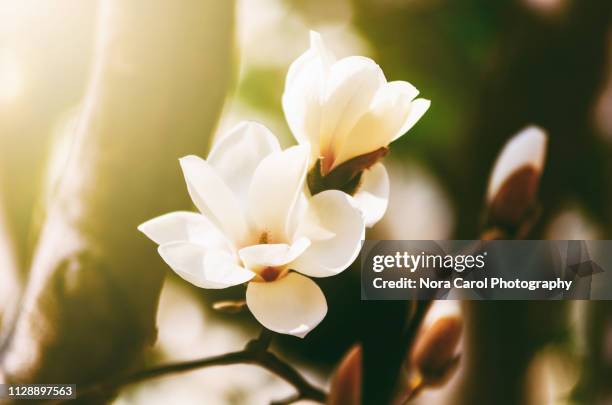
[[346, 382], [515, 178], [434, 356]]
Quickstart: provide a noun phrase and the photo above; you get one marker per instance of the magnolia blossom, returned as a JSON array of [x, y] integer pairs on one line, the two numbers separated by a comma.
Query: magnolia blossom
[[346, 108], [256, 225]]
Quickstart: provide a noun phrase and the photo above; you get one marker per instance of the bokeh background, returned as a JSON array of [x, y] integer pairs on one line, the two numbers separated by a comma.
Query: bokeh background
[[99, 98]]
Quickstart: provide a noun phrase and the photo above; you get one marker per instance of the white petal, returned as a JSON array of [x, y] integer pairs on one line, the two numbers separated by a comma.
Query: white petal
[[400, 89], [372, 197], [350, 89], [396, 100], [317, 45], [335, 211], [317, 51], [297, 213], [235, 156], [276, 186], [293, 305], [314, 228], [302, 226], [214, 198], [183, 226], [304, 90], [527, 148], [392, 113], [221, 267], [279, 254], [203, 268], [418, 108]]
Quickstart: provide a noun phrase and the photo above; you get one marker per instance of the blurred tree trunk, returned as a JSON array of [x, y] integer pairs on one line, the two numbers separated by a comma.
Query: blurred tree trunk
[[46, 47], [501, 340], [36, 52], [160, 75]]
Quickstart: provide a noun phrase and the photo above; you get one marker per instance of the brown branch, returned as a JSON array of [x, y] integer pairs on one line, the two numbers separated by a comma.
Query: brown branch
[[256, 353]]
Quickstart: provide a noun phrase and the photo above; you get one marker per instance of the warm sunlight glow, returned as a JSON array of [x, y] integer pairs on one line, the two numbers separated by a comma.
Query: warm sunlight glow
[[11, 79]]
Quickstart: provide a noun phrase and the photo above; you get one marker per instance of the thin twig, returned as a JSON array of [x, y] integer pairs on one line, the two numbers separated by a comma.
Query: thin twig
[[416, 386], [256, 353]]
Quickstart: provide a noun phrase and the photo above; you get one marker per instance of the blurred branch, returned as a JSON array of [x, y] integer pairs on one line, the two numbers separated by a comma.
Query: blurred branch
[[159, 80], [256, 353]]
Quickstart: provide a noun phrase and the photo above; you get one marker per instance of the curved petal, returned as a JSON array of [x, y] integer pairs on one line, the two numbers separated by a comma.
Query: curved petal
[[235, 156], [183, 226], [279, 254], [318, 50], [204, 268], [297, 213], [350, 89], [214, 198], [276, 186], [334, 211], [293, 305], [304, 90], [306, 223], [372, 197], [391, 114], [418, 108]]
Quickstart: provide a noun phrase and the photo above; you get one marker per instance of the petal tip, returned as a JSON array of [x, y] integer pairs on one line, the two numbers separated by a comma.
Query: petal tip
[[147, 229], [301, 331], [189, 159], [142, 228], [315, 37]]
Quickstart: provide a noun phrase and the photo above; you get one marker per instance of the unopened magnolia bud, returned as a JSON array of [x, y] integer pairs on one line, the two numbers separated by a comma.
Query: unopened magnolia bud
[[515, 178], [434, 356], [346, 382]]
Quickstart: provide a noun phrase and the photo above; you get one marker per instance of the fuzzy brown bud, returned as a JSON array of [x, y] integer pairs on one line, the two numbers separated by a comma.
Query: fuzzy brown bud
[[346, 382], [434, 355]]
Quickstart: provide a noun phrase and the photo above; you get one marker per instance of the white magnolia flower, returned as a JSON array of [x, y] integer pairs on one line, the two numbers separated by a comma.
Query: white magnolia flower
[[346, 108], [257, 226]]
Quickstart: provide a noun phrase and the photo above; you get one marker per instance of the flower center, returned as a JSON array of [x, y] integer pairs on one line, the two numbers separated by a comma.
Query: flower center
[[327, 161], [270, 273], [263, 238]]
